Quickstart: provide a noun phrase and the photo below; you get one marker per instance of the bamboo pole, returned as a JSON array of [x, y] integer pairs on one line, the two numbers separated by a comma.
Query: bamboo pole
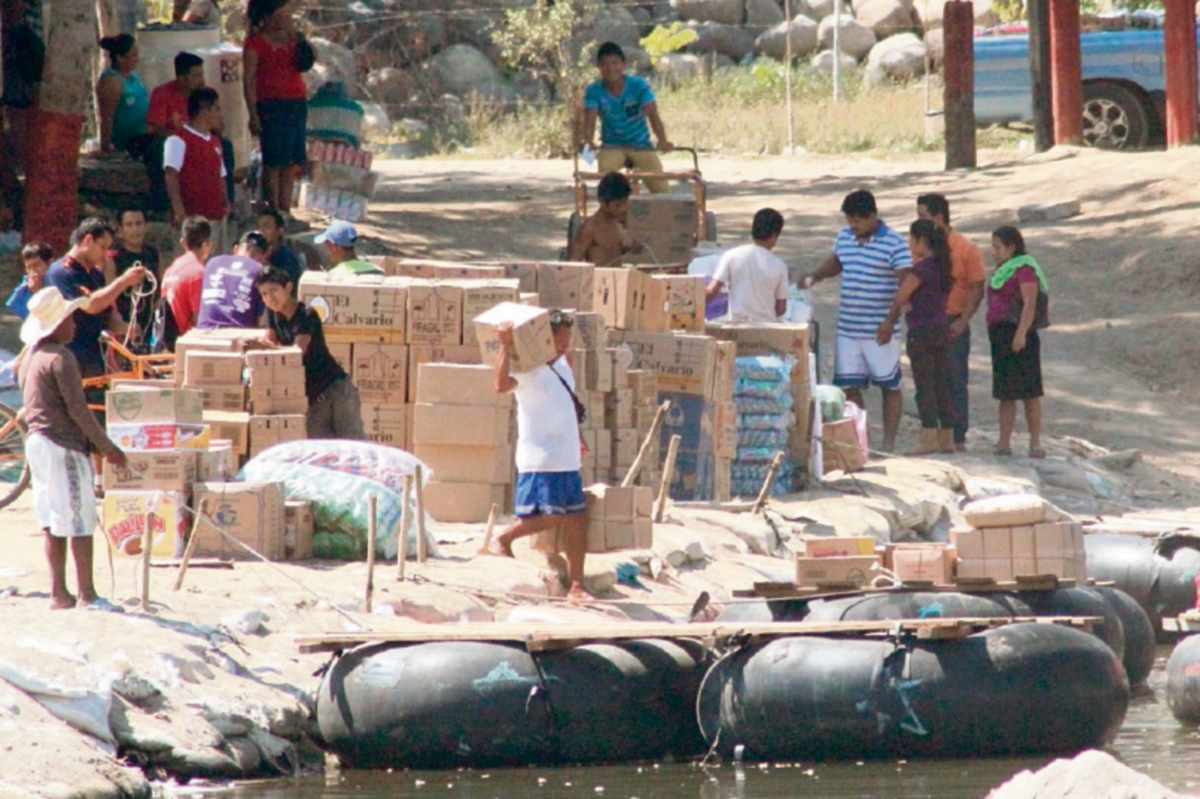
[[147, 542], [491, 528], [765, 492], [422, 544], [668, 475], [405, 521], [371, 507], [632, 474], [193, 541]]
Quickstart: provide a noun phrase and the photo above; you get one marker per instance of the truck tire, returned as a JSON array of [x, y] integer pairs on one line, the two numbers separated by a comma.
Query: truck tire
[[1114, 117]]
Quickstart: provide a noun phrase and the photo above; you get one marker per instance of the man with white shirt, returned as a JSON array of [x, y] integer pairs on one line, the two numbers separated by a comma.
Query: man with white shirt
[[194, 166], [549, 491], [756, 278]]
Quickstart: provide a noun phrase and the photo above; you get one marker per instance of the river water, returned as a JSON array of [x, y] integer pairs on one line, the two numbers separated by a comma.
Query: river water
[[1151, 741]]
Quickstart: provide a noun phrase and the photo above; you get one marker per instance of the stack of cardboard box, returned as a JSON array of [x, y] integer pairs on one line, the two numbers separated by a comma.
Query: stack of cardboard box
[[630, 299], [1050, 547], [278, 403], [617, 518], [837, 560], [665, 224], [252, 513], [463, 432]]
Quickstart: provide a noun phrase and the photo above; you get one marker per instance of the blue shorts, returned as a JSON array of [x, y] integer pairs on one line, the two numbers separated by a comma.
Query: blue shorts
[[284, 131], [549, 494]]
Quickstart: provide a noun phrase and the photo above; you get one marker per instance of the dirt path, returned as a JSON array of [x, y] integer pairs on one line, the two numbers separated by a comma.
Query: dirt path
[[1120, 360]]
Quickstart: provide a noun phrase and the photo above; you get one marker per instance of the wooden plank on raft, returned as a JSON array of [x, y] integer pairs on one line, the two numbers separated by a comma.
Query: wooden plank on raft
[[538, 638], [1188, 622]]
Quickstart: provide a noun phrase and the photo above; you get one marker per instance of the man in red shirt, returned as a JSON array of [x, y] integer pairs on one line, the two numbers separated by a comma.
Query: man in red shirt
[[168, 102], [195, 167], [184, 280]]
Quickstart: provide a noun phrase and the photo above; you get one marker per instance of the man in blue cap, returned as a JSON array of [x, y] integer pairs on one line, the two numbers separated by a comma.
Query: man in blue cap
[[339, 240]]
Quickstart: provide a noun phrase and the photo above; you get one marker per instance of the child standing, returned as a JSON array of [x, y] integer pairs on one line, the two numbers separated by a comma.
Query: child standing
[[334, 408], [36, 259], [924, 291], [603, 239], [62, 430]]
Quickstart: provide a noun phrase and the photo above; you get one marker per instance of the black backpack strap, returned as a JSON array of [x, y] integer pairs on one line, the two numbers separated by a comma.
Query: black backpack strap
[[580, 410]]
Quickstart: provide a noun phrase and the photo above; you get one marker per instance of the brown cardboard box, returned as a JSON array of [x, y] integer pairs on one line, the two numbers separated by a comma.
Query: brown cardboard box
[[372, 302], [298, 529], [577, 359], [276, 367], [1025, 567], [533, 341], [618, 297], [451, 464], [622, 358], [604, 454], [341, 353], [253, 513], [280, 398], [468, 272], [154, 470], [618, 409], [645, 387], [429, 353], [565, 285], [151, 406], [599, 368], [159, 435], [454, 384], [463, 502], [662, 212], [684, 301], [725, 372], [267, 431], [435, 313], [968, 541], [215, 340], [922, 562], [596, 403], [589, 331], [380, 372], [1054, 539], [232, 426], [524, 272], [839, 546], [856, 569], [479, 298], [999, 570], [840, 447], [780, 338], [217, 463], [617, 503], [461, 425], [123, 520], [681, 363], [726, 434], [997, 544], [204, 369], [387, 424], [224, 398], [1024, 546], [661, 248], [972, 568], [625, 444]]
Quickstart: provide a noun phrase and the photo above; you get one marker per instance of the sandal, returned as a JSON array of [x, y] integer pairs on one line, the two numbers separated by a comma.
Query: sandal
[[1002, 452], [1037, 453]]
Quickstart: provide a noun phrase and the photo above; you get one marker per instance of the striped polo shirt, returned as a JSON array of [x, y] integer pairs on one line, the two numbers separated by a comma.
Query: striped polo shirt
[[869, 281]]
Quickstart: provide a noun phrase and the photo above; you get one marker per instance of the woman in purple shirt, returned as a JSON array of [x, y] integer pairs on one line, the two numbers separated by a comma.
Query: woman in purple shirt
[[924, 291]]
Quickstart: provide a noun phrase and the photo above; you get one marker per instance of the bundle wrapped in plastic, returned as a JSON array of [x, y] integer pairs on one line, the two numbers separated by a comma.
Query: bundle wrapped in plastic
[[763, 372], [756, 437], [746, 478], [337, 477]]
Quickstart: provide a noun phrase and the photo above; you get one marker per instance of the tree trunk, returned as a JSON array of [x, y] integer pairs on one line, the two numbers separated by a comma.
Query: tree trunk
[[56, 125]]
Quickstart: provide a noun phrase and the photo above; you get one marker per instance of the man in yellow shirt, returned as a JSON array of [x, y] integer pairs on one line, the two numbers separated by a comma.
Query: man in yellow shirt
[[966, 292]]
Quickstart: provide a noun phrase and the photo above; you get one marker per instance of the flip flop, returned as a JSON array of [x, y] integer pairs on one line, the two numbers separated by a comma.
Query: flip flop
[[1037, 453], [1002, 452], [103, 605]]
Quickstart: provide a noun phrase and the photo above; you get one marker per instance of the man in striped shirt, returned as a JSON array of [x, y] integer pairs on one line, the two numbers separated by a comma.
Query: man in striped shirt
[[872, 259]]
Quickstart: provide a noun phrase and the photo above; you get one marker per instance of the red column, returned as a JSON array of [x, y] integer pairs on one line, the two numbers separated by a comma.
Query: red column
[[1179, 42], [958, 98], [1066, 69]]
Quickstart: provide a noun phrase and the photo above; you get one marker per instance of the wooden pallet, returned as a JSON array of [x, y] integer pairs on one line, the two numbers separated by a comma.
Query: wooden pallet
[[1187, 622], [966, 585], [537, 638]]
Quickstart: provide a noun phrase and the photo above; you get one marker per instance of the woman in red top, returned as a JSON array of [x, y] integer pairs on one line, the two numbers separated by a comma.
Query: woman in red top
[[275, 97]]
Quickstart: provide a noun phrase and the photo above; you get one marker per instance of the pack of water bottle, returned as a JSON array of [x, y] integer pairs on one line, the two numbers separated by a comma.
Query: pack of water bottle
[[762, 394]]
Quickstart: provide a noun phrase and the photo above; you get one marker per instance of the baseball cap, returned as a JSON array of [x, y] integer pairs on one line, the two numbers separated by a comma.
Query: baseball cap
[[340, 233]]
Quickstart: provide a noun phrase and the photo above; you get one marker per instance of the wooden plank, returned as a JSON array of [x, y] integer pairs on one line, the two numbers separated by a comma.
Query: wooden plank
[[543, 638], [1188, 622], [194, 563]]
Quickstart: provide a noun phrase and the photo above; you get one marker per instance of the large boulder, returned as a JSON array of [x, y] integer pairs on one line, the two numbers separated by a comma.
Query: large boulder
[[462, 69], [674, 69], [337, 64], [612, 24], [802, 31], [824, 61], [390, 86], [900, 57], [763, 14], [854, 38], [886, 17], [817, 10], [729, 40], [929, 15], [729, 12]]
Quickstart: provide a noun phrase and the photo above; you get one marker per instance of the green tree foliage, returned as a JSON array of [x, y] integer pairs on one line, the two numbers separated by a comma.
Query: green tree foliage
[[665, 39], [541, 39]]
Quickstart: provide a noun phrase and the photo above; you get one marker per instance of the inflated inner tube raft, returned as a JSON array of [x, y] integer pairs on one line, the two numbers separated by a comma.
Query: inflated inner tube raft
[[1161, 577]]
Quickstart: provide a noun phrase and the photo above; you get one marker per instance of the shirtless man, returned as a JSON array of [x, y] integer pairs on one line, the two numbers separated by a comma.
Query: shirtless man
[[603, 239]]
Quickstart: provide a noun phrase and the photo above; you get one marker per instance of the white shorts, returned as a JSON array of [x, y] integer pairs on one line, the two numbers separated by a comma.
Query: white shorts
[[64, 498], [861, 362]]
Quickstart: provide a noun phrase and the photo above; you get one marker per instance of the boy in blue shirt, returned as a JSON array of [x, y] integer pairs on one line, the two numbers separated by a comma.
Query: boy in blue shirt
[[624, 104], [36, 257]]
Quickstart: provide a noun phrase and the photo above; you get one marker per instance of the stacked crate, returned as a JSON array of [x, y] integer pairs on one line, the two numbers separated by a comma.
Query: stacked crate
[[278, 404], [1018, 535]]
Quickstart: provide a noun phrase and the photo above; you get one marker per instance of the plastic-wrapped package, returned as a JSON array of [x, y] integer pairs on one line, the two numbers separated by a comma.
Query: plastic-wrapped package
[[755, 437], [386, 465], [762, 394]]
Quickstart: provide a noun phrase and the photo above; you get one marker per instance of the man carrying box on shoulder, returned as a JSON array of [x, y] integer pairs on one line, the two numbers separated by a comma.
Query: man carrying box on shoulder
[[549, 490]]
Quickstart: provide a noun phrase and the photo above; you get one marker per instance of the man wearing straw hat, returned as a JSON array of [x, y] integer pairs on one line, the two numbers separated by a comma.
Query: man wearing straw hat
[[62, 430]]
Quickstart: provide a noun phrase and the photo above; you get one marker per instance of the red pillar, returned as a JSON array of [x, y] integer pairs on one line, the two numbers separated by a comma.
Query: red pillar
[[1066, 69], [958, 93], [1179, 42]]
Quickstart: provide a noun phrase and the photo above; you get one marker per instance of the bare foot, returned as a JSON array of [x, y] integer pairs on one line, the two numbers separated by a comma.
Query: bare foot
[[65, 602], [88, 597], [500, 548], [577, 596]]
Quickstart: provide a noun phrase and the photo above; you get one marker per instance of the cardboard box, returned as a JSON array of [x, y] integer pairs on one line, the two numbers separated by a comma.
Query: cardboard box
[[524, 272], [693, 419], [922, 562], [840, 447], [598, 369], [380, 372], [622, 363], [479, 298], [645, 387], [997, 543], [224, 398], [625, 445], [589, 331], [1024, 545], [233, 427], [428, 353], [726, 430], [968, 541], [455, 384], [461, 425], [661, 247], [533, 341], [618, 297], [1054, 539], [452, 464], [1026, 567], [724, 372], [275, 367], [452, 271], [124, 522], [684, 298], [156, 436], [682, 363], [971, 568], [342, 353], [463, 502], [267, 431], [298, 529], [373, 302], [153, 471], [632, 534], [279, 398], [857, 569], [435, 313], [217, 463], [151, 406], [619, 504], [839, 546], [216, 340], [618, 409], [252, 513], [387, 424], [564, 285], [666, 213], [998, 570], [203, 369]]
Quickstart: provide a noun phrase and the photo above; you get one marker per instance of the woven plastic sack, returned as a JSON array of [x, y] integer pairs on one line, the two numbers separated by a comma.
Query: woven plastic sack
[[386, 465]]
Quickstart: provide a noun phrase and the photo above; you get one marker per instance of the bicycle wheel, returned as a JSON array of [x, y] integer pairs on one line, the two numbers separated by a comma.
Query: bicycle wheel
[[14, 469]]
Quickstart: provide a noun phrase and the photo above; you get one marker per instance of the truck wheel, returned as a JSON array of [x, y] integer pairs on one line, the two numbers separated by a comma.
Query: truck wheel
[[1114, 118]]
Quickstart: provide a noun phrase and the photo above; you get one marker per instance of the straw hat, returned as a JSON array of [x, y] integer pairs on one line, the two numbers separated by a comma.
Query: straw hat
[[47, 310]]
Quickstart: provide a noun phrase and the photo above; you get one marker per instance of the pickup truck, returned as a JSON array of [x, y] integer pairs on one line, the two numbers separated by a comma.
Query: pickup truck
[[1124, 85]]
